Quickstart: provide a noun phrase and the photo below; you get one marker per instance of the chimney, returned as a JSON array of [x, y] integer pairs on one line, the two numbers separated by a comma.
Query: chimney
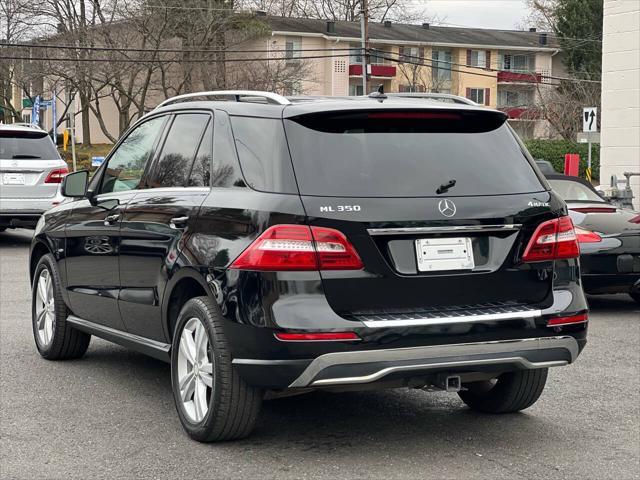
[[542, 39], [426, 26], [331, 27], [387, 23], [261, 13], [532, 29]]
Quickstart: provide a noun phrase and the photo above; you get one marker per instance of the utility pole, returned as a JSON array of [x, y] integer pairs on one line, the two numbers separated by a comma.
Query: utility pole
[[364, 33], [72, 127]]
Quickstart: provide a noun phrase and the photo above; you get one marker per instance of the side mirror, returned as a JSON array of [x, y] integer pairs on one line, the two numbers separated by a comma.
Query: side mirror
[[74, 185]]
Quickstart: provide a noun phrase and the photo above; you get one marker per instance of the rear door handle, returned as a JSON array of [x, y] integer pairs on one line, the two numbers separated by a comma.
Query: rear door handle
[[178, 222], [111, 219]]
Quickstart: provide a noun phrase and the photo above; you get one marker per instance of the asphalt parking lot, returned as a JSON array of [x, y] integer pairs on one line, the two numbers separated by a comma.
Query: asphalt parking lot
[[111, 415]]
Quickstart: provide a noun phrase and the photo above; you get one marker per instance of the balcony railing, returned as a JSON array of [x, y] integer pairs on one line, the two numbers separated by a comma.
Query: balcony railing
[[521, 113], [520, 77], [376, 70]]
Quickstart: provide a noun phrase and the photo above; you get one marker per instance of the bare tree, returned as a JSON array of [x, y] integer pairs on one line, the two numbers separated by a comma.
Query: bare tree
[[17, 22], [562, 106], [349, 10]]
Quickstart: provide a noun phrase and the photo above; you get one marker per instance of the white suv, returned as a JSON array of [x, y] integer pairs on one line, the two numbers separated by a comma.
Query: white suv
[[31, 171]]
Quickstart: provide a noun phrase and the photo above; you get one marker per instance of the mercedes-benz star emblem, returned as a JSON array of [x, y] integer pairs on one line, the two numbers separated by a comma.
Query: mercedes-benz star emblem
[[447, 207]]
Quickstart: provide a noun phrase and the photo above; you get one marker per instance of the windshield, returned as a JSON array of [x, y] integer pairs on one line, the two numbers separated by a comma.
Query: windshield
[[576, 191], [26, 145], [408, 154]]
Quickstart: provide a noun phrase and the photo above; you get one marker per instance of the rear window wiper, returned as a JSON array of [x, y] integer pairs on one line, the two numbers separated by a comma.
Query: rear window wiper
[[25, 155], [446, 186]]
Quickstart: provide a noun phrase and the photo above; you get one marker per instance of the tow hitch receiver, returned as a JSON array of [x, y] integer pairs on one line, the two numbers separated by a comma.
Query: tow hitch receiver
[[449, 383]]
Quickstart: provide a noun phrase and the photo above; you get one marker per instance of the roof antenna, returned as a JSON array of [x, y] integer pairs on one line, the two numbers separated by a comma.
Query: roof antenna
[[379, 94]]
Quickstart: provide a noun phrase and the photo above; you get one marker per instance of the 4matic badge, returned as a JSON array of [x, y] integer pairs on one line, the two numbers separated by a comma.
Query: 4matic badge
[[536, 203]]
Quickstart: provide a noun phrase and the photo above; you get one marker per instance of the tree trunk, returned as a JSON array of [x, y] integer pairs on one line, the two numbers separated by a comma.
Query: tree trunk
[[86, 124]]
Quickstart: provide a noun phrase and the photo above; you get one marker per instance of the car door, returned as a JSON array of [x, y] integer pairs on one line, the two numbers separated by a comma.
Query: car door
[[93, 229], [160, 217]]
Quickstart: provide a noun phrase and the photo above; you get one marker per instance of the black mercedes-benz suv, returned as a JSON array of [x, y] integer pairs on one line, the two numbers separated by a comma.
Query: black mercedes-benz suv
[[264, 244]]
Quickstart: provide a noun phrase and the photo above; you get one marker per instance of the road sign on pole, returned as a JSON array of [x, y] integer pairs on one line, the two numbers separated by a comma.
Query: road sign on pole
[[590, 119], [589, 125]]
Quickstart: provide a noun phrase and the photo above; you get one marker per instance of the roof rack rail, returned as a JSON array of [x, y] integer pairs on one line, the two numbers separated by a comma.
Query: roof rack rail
[[23, 124], [435, 96], [233, 95]]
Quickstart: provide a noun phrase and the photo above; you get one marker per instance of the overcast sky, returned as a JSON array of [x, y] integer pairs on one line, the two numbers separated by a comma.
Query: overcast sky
[[504, 14]]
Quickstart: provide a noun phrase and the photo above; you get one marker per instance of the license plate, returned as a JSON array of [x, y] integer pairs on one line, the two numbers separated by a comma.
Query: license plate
[[13, 179], [436, 254]]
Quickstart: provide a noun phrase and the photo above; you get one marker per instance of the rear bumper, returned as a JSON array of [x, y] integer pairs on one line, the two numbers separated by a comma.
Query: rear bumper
[[11, 205], [25, 212], [362, 367]]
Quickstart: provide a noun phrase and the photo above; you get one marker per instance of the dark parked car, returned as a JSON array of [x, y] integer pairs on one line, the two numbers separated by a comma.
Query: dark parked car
[[261, 244], [609, 238]]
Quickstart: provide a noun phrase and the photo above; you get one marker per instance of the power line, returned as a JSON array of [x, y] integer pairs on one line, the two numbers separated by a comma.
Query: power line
[[405, 59]]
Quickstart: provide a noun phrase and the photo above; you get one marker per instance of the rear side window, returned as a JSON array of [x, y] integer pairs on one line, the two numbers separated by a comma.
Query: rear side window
[[226, 169], [172, 166], [408, 154], [263, 153], [26, 146], [201, 170]]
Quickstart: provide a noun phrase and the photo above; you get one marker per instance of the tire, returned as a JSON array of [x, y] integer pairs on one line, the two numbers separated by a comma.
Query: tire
[[232, 406], [511, 392], [55, 338]]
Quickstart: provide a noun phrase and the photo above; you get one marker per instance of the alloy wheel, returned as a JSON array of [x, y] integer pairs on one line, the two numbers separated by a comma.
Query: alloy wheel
[[195, 370], [45, 307]]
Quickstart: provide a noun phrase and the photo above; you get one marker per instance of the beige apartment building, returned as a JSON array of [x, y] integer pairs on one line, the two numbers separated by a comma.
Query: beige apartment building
[[508, 70]]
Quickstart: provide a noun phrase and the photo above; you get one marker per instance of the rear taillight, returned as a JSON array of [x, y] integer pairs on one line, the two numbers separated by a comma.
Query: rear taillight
[[56, 176], [299, 247], [587, 236], [569, 320], [317, 337], [552, 240]]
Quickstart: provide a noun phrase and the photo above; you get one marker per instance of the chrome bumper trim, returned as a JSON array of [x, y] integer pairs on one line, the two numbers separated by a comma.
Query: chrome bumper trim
[[440, 352], [469, 363], [414, 322], [447, 229]]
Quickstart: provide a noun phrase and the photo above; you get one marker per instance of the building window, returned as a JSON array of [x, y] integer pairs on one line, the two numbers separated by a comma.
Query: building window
[[478, 95], [478, 58], [514, 98], [411, 88], [516, 62], [356, 89], [292, 49], [356, 55], [377, 57], [441, 69], [411, 54], [293, 87]]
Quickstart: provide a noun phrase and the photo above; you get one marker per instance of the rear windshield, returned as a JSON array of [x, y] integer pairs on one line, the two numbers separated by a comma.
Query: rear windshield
[[26, 145], [570, 190], [408, 154]]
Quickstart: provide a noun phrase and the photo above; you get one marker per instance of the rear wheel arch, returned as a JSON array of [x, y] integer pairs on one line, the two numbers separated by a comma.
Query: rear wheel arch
[[187, 284]]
